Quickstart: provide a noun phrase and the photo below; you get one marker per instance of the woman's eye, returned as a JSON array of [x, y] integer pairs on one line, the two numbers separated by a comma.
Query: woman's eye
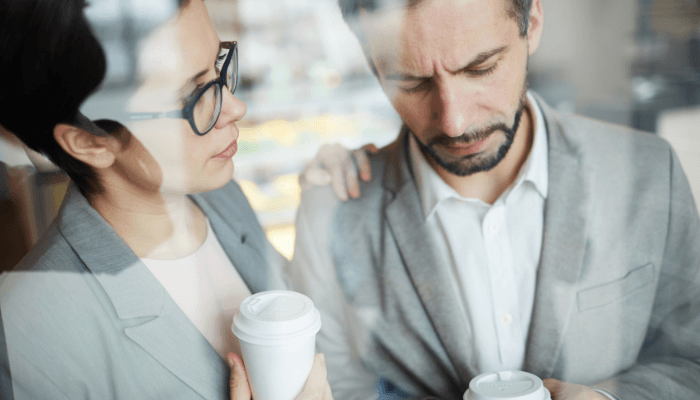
[[193, 93], [220, 61]]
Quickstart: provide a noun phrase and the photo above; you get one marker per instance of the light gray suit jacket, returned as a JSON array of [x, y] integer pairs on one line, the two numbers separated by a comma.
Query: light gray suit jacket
[[617, 301], [84, 318]]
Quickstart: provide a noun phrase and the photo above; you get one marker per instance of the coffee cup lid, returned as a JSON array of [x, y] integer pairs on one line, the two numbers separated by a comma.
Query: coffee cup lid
[[513, 385], [275, 317]]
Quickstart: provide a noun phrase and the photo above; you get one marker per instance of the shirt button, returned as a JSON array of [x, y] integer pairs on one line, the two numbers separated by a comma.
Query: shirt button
[[493, 228], [507, 319]]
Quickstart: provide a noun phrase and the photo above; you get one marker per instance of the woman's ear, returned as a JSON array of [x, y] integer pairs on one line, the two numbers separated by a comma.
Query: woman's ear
[[95, 151]]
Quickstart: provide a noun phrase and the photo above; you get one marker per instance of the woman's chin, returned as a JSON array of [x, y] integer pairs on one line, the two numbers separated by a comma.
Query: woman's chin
[[204, 181], [215, 180]]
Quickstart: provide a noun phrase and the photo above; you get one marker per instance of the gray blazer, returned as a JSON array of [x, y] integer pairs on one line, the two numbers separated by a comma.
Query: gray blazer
[[617, 301], [84, 318]]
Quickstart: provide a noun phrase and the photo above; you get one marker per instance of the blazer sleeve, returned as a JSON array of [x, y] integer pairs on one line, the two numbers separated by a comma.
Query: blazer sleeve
[[668, 366], [28, 380], [312, 272], [5, 377]]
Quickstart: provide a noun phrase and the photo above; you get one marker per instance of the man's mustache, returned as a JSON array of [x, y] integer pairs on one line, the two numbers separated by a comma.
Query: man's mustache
[[478, 135]]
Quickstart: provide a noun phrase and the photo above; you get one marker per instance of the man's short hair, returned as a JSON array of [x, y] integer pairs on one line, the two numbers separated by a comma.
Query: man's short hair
[[517, 9]]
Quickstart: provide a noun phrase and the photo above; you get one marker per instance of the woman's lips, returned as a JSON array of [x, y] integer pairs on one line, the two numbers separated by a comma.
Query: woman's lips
[[229, 151]]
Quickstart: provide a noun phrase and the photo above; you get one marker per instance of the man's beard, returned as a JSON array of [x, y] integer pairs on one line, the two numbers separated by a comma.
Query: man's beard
[[473, 163]]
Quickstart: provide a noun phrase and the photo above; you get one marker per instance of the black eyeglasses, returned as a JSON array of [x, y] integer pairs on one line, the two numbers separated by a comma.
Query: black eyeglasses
[[202, 110]]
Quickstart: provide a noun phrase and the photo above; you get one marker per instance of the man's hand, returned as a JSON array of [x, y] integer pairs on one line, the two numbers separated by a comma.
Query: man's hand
[[568, 391], [334, 165], [316, 387]]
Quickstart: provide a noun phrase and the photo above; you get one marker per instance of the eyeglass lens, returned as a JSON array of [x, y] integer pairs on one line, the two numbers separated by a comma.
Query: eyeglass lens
[[232, 72], [206, 110]]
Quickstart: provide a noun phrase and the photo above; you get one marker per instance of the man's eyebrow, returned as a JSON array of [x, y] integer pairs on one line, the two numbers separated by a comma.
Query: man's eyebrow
[[481, 58], [404, 77]]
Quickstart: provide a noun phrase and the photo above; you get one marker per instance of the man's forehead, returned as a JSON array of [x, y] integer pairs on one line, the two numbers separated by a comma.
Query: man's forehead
[[447, 31]]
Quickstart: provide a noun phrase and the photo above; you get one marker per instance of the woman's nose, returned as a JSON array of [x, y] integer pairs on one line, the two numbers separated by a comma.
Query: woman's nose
[[232, 109]]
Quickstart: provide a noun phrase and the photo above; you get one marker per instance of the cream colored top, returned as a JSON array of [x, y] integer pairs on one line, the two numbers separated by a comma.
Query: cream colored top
[[208, 289]]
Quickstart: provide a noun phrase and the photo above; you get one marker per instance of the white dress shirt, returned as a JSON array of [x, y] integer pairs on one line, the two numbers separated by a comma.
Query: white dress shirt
[[207, 288], [493, 251]]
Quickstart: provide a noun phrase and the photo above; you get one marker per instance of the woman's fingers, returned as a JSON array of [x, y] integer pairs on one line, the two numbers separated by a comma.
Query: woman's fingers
[[328, 395], [363, 163], [240, 389], [340, 167], [370, 148], [314, 175], [338, 180], [351, 181], [316, 386]]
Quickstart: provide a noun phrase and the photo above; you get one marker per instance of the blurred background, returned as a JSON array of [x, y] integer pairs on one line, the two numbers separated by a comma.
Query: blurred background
[[305, 81]]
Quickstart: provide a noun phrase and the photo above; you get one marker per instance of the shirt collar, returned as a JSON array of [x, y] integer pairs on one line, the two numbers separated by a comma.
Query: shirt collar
[[434, 190]]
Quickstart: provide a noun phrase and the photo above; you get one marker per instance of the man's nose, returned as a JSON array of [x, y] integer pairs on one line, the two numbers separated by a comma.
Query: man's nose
[[451, 111], [232, 109]]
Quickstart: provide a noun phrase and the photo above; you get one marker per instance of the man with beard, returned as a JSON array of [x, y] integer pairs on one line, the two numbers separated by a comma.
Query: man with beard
[[498, 234]]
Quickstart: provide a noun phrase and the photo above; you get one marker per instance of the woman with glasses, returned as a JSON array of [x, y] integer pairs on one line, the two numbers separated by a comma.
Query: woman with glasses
[[131, 291]]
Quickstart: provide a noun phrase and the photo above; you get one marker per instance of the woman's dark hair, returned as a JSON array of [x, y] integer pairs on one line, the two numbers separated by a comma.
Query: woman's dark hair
[[51, 61]]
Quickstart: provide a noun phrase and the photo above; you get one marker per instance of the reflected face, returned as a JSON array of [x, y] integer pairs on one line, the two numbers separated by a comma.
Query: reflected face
[[165, 154], [455, 71]]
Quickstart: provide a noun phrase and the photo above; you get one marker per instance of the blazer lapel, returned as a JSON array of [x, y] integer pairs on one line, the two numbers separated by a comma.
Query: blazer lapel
[[179, 346], [238, 232], [425, 268], [566, 216], [168, 335]]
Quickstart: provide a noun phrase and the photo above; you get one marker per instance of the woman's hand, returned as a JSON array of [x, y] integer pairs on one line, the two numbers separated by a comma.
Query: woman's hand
[[568, 391], [316, 387], [240, 389], [334, 165]]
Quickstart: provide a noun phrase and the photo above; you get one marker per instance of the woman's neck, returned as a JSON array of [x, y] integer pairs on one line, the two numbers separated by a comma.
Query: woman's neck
[[153, 224]]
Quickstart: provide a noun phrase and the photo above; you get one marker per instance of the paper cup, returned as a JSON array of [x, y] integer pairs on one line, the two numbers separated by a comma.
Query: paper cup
[[511, 385], [277, 333]]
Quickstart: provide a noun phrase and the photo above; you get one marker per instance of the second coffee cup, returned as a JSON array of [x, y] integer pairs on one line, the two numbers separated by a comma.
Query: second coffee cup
[[511, 385], [277, 333]]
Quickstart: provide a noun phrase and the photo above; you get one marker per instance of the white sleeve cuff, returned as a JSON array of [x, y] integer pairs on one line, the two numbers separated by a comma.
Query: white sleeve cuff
[[606, 394]]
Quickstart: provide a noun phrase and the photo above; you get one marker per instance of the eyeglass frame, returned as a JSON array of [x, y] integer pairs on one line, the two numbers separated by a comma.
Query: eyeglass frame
[[187, 112]]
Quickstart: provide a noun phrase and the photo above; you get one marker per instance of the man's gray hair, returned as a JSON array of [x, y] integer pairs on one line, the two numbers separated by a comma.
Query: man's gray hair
[[517, 9]]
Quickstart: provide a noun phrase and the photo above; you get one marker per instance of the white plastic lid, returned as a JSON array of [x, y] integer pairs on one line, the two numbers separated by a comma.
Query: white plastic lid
[[275, 317], [513, 385]]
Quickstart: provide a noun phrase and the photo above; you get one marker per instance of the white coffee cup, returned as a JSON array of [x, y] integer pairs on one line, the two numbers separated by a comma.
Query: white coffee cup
[[511, 385], [277, 333]]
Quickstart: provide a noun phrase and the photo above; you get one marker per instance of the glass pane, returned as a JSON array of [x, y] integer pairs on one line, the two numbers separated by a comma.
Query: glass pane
[[232, 72], [206, 109]]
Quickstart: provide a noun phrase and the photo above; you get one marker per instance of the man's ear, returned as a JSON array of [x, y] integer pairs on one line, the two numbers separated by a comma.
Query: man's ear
[[534, 32], [95, 151]]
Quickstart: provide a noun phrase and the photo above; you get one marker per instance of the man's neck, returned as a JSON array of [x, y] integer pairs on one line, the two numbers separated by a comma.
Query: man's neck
[[489, 185], [153, 224]]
